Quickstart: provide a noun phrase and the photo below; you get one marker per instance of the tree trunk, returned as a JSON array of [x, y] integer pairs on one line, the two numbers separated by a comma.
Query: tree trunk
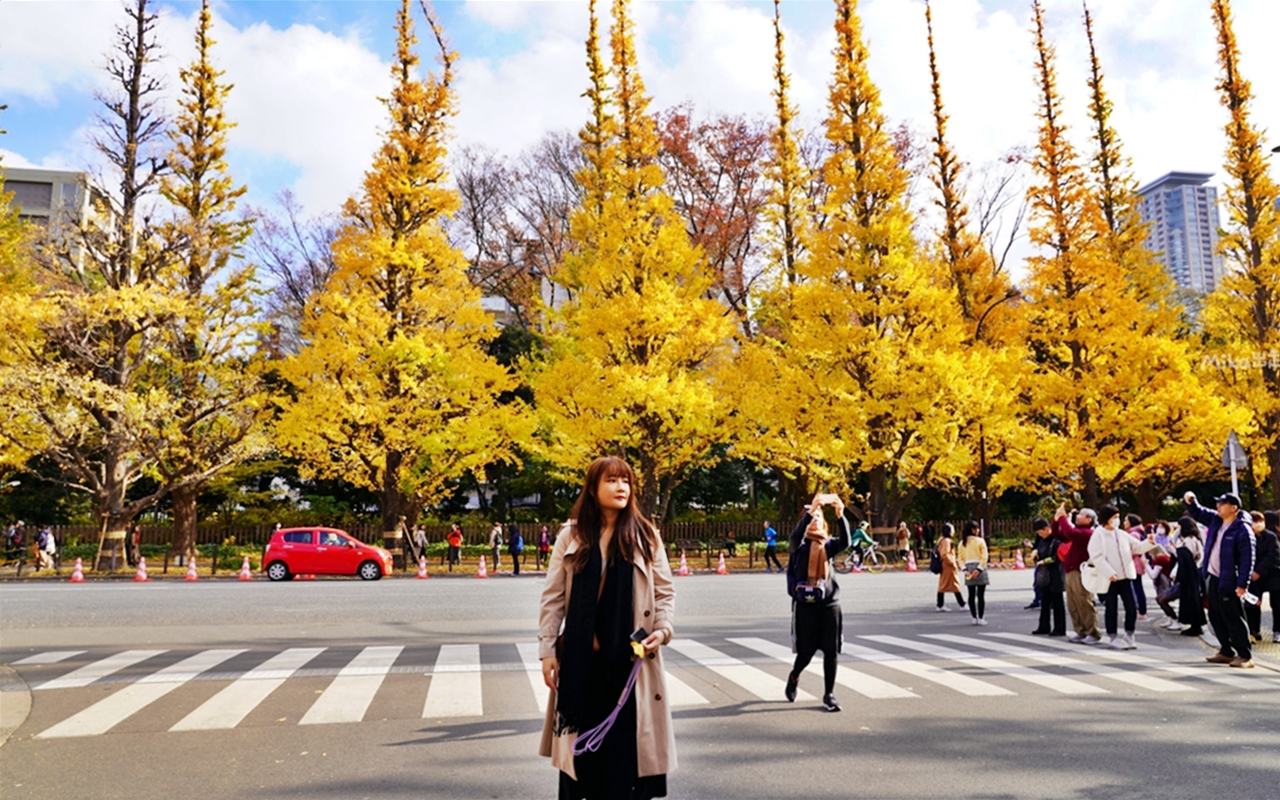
[[1273, 457], [793, 493], [877, 500], [1092, 497], [184, 521], [110, 509], [1148, 496]]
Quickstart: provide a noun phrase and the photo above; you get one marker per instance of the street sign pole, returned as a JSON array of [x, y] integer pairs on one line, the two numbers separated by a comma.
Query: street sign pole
[[1234, 457]]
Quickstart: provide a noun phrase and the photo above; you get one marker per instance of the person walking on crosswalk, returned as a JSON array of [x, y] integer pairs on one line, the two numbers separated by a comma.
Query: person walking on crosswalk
[[608, 585], [816, 618]]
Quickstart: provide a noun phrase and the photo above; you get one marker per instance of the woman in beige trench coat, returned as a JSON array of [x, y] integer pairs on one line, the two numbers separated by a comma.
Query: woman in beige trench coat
[[949, 579], [584, 645]]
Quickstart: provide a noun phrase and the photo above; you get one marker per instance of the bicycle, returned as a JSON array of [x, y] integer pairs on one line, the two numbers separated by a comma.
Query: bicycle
[[872, 560]]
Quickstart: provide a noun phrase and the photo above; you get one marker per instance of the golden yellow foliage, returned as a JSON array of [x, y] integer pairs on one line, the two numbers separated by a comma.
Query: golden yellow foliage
[[627, 365], [395, 390]]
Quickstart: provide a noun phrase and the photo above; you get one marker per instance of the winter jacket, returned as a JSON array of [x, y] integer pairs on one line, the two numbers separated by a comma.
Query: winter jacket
[[1078, 538], [1238, 548]]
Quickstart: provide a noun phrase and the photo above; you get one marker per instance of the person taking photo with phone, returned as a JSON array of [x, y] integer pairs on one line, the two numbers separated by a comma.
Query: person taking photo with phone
[[817, 621]]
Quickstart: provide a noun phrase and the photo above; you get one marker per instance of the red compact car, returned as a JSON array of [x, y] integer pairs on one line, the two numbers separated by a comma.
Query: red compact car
[[322, 551]]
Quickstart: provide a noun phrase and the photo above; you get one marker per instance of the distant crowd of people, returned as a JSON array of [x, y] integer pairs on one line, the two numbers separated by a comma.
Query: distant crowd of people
[[500, 536], [1214, 567], [42, 548]]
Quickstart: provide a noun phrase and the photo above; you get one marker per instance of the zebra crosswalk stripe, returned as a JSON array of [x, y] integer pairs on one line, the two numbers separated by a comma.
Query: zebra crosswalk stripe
[[533, 668], [952, 680], [455, 689], [99, 669], [860, 682], [229, 707], [105, 714], [1056, 683], [349, 696], [753, 680], [1140, 679], [1129, 657], [51, 657]]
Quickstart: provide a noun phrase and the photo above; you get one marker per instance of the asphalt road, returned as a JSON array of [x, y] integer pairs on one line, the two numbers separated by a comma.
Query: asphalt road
[[241, 690]]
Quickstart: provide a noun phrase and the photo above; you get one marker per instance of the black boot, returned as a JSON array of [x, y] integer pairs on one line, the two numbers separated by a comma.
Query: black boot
[[792, 682]]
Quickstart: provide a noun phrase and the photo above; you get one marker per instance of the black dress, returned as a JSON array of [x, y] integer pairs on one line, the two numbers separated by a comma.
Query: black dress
[[611, 773]]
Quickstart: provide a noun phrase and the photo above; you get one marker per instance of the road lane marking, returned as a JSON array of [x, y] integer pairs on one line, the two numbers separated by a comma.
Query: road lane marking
[[99, 669], [755, 681], [229, 707], [681, 694], [1056, 683], [1140, 679], [860, 682], [455, 689], [952, 680], [51, 657], [533, 668], [105, 714], [349, 695], [1207, 672]]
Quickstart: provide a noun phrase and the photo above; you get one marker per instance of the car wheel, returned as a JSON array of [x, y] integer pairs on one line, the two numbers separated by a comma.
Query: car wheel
[[370, 571], [278, 571]]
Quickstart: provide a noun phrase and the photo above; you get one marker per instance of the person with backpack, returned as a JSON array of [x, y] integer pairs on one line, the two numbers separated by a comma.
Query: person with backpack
[[816, 618], [45, 548], [948, 571], [515, 546]]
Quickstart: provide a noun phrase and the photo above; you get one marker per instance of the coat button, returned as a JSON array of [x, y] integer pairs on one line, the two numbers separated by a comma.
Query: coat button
[[653, 655], [646, 613], [657, 697]]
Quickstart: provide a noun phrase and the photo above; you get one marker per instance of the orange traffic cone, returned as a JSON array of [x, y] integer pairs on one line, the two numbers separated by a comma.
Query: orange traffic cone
[[911, 562], [1018, 563], [141, 574], [246, 574], [482, 572], [721, 569], [422, 568], [192, 577], [684, 565], [77, 574]]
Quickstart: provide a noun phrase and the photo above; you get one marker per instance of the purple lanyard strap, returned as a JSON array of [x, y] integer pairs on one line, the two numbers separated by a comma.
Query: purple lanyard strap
[[592, 739]]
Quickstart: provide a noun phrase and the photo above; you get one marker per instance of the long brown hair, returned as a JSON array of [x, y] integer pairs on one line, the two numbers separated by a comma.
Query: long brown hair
[[633, 535]]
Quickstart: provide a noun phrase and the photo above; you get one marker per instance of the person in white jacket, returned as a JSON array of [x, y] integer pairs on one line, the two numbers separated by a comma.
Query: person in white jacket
[[1111, 549]]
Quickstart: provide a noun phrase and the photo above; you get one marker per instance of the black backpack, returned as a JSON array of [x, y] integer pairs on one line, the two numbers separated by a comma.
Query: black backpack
[[935, 562]]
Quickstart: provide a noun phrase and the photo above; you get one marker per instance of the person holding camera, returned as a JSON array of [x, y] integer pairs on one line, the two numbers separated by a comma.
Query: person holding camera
[[816, 618], [607, 607]]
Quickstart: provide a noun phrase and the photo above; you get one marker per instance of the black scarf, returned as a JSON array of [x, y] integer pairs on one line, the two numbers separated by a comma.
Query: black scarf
[[579, 638]]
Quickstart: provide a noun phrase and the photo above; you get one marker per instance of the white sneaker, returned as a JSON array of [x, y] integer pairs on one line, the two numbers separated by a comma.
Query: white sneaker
[[1077, 639], [1142, 618], [976, 621], [942, 609], [1116, 643], [981, 621], [1129, 644], [1174, 625], [1092, 640], [1275, 637]]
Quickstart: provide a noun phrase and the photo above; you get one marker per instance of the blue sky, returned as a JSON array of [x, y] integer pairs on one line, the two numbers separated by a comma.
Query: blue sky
[[307, 74]]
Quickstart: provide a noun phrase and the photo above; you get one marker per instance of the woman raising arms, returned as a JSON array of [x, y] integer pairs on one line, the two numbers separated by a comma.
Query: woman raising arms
[[608, 578]]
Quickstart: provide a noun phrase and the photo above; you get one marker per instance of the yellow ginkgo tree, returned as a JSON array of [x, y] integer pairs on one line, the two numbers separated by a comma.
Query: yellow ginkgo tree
[[395, 390], [628, 364]]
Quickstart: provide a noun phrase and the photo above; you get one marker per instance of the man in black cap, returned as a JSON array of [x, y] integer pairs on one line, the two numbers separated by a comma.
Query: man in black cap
[[1230, 550]]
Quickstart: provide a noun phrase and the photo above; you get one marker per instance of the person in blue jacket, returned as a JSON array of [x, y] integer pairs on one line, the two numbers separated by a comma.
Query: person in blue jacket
[[1230, 552], [771, 548]]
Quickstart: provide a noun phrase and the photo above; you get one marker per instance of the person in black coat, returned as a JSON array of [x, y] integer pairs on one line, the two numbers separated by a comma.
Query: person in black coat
[[1051, 582], [817, 624], [1190, 549], [1266, 575]]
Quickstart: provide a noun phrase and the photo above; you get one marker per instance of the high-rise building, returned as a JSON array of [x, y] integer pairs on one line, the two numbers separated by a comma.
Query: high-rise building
[[1182, 212]]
